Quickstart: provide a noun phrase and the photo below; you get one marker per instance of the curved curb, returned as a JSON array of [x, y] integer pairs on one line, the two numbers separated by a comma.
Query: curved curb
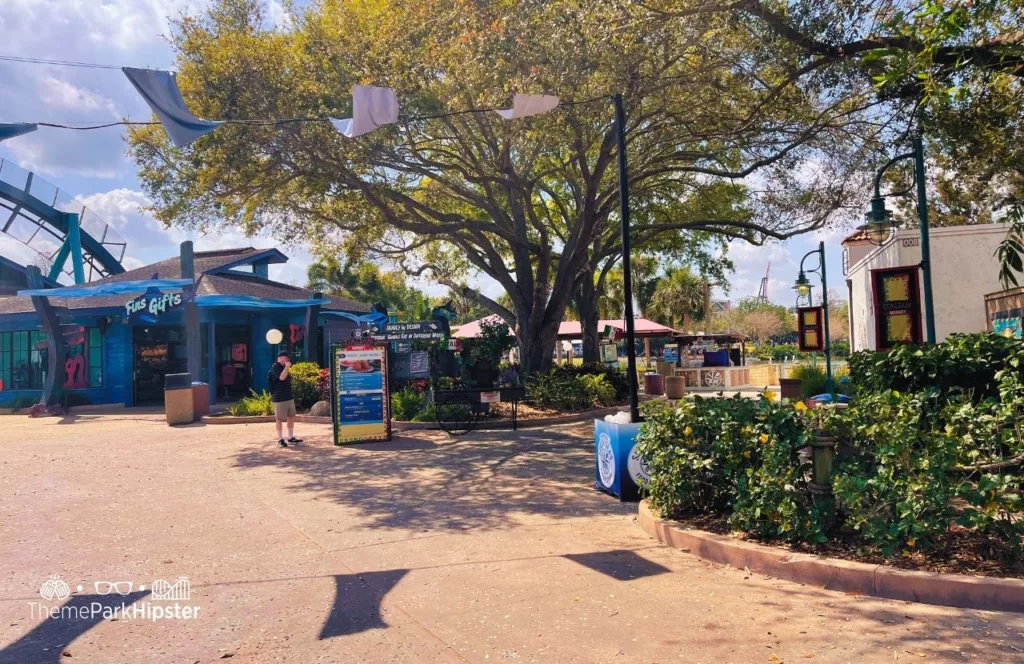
[[486, 425], [968, 592], [260, 419]]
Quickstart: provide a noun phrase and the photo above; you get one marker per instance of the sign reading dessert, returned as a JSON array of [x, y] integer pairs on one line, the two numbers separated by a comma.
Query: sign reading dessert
[[361, 401]]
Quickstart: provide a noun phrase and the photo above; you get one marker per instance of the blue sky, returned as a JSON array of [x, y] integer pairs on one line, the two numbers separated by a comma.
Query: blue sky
[[93, 165]]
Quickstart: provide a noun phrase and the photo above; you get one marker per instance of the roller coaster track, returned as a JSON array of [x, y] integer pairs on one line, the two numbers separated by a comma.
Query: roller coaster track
[[42, 217]]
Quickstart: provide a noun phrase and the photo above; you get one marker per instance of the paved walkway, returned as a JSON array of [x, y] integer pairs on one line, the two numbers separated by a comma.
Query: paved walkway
[[491, 547]]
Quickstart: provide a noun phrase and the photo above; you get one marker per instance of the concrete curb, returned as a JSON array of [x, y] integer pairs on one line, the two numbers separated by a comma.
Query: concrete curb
[[419, 426], [486, 425], [260, 419], [969, 592]]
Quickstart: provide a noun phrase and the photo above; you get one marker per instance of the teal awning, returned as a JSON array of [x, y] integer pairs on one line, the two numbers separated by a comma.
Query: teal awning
[[112, 288], [255, 302]]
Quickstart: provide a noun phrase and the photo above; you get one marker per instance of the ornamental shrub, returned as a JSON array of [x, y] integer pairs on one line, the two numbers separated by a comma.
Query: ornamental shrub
[[305, 384], [966, 363], [407, 403], [734, 457], [569, 391]]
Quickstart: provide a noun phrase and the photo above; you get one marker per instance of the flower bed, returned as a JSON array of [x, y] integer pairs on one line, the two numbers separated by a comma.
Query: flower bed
[[929, 478]]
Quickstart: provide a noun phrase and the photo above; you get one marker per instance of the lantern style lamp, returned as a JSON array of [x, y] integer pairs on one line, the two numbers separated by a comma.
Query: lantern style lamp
[[802, 286], [879, 226]]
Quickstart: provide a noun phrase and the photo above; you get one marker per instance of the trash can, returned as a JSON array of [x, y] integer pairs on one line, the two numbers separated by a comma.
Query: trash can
[[178, 398], [618, 468], [654, 385], [200, 400], [675, 387]]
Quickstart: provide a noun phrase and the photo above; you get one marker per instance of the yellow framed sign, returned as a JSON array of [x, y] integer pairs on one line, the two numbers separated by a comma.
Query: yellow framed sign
[[359, 383]]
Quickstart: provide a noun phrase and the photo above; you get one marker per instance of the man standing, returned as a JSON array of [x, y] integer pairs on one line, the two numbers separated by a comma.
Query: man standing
[[281, 394]]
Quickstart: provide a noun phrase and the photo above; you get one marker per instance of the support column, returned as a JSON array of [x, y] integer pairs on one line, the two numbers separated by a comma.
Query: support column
[[74, 240], [211, 360], [193, 342], [56, 348], [312, 316]]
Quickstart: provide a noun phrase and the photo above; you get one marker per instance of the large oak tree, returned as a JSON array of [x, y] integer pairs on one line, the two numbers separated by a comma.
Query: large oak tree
[[728, 133]]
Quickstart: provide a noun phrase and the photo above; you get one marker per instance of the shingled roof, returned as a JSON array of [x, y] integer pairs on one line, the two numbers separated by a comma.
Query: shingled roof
[[210, 280]]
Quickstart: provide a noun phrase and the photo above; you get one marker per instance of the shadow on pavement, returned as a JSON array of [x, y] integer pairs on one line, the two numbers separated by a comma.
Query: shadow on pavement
[[621, 564], [482, 480], [50, 638], [357, 602]]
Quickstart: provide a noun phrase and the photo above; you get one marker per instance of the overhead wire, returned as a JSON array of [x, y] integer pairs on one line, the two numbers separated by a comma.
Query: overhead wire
[[90, 125]]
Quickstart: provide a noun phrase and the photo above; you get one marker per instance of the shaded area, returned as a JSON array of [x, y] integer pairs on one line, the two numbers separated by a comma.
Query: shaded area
[[620, 564], [357, 601], [47, 640], [486, 479]]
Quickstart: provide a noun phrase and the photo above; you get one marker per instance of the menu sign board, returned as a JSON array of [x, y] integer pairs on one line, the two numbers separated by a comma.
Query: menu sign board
[[810, 331], [361, 402]]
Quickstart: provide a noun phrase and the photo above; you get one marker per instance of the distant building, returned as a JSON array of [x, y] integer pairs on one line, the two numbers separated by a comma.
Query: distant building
[[720, 306], [886, 292], [120, 360]]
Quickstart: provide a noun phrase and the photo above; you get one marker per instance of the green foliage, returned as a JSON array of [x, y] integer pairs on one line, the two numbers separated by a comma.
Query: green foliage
[[494, 339], [733, 457], [899, 490], [812, 379], [305, 384], [969, 363], [614, 376], [428, 414], [254, 404], [406, 404], [565, 391]]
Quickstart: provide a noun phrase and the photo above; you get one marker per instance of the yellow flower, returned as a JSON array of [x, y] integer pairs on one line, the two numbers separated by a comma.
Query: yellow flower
[[764, 438], [747, 454], [687, 431], [911, 542], [801, 406], [769, 395]]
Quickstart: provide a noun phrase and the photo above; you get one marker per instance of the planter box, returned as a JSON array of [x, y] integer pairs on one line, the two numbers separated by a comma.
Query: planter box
[[617, 468], [790, 388]]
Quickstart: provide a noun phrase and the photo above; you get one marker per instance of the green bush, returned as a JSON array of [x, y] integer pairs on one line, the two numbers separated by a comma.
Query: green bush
[[428, 414], [911, 466], [571, 391], [406, 404], [733, 457], [915, 472], [618, 379], [970, 363], [305, 384], [254, 404], [812, 379]]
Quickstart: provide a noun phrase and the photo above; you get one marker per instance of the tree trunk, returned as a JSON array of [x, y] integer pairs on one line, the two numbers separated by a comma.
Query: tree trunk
[[536, 346], [586, 307]]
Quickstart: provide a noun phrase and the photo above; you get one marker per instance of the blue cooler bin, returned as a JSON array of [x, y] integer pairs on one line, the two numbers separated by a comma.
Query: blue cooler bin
[[617, 468]]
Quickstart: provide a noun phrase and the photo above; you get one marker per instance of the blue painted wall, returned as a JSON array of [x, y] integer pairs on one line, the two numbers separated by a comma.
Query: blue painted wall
[[117, 347]]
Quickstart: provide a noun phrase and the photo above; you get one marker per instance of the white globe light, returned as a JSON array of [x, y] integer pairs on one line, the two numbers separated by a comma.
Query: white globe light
[[274, 337]]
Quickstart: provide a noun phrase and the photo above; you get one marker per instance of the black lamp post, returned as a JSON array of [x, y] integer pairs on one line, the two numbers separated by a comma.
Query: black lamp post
[[627, 277], [880, 225], [803, 292]]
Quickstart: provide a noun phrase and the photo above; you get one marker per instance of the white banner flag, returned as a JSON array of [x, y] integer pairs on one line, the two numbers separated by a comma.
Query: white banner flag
[[526, 105], [372, 107]]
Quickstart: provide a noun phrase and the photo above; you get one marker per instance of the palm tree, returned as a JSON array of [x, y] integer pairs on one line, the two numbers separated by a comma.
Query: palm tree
[[678, 298]]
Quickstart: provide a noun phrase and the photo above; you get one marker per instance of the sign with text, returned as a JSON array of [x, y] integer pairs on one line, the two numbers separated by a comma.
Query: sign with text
[[810, 329], [152, 304], [360, 391], [421, 331]]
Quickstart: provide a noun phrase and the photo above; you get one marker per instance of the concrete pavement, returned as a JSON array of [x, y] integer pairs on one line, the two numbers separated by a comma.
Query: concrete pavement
[[489, 547]]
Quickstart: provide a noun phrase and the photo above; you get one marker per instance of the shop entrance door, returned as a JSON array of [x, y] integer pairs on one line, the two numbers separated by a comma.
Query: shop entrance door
[[157, 351], [234, 364]]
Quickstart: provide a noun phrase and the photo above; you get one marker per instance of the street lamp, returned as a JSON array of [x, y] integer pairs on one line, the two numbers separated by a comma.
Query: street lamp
[[880, 224], [802, 287], [803, 290], [879, 227]]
